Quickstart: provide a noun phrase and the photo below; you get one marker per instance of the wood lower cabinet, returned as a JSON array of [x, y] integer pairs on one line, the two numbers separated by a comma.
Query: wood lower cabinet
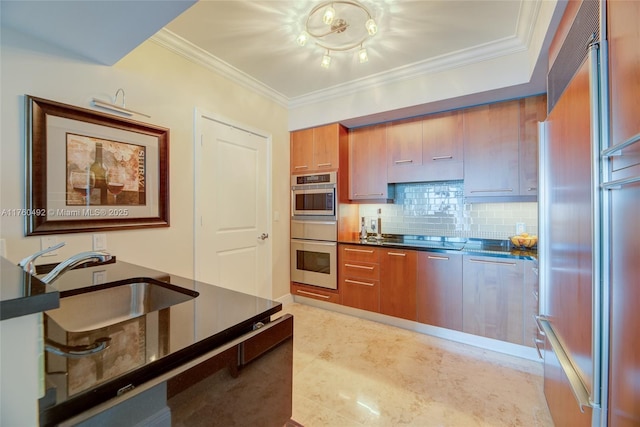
[[439, 290], [398, 283], [315, 292], [533, 337], [493, 292], [367, 167], [359, 277]]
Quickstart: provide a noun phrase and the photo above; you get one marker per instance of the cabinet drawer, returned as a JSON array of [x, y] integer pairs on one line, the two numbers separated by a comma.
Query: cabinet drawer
[[315, 293], [360, 293], [358, 253], [360, 270]]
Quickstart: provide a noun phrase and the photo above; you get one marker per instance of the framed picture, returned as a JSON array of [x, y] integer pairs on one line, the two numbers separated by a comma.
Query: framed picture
[[91, 171]]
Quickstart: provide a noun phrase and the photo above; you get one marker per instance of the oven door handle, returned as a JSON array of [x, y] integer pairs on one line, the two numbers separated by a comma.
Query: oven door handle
[[314, 242], [302, 221]]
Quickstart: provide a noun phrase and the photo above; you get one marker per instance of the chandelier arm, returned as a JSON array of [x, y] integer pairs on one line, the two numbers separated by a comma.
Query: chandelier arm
[[336, 30], [344, 48]]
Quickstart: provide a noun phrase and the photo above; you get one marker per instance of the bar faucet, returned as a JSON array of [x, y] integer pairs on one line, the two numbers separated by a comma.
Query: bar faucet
[[71, 262], [28, 263]]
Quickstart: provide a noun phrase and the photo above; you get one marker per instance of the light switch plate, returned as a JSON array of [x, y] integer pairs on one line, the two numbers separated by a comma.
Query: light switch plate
[[521, 227], [47, 242], [100, 242]]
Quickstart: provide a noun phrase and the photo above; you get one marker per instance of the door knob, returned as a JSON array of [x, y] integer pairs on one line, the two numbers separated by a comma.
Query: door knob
[[263, 236]]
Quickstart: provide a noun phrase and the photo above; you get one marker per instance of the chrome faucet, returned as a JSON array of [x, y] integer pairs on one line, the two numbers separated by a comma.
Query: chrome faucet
[[28, 263], [71, 262]]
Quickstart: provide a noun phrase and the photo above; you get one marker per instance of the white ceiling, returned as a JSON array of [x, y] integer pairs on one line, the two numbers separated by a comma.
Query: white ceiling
[[254, 41]]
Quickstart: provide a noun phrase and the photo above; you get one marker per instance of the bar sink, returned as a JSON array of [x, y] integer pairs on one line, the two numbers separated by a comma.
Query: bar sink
[[98, 306]]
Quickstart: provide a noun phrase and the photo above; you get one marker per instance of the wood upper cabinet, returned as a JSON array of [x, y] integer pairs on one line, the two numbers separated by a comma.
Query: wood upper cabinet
[[404, 151], [491, 154], [493, 292], [359, 277], [398, 283], [316, 149], [439, 290], [367, 167], [442, 146], [624, 78], [532, 111]]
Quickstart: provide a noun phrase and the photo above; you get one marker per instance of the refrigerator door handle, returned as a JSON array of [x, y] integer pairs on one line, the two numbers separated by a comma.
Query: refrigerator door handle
[[577, 387]]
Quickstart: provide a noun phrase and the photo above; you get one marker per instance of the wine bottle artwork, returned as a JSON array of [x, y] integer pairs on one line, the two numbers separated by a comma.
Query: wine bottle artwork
[[100, 173]]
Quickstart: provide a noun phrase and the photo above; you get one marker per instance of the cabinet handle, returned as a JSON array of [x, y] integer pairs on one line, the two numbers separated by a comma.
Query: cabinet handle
[[442, 158], [536, 343], [532, 188], [396, 254], [312, 294], [498, 190], [616, 150], [398, 162], [301, 167], [364, 267], [366, 251], [538, 325], [444, 258], [355, 282], [367, 194], [481, 261], [618, 184], [535, 295], [323, 165]]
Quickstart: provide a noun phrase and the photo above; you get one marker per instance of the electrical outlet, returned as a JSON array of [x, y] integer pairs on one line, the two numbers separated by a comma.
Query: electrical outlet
[[100, 242], [521, 227], [99, 277], [373, 225], [47, 242]]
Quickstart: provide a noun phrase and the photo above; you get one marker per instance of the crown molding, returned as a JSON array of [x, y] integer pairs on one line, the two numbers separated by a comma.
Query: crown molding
[[519, 42], [197, 55]]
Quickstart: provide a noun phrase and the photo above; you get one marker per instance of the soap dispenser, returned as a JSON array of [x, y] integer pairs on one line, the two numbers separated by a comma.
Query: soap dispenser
[[379, 235], [363, 230]]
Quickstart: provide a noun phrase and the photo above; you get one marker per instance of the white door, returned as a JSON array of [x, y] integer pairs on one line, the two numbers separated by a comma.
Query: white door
[[232, 181]]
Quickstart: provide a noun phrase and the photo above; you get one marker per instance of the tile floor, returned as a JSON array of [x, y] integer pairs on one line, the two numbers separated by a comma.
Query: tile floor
[[354, 372]]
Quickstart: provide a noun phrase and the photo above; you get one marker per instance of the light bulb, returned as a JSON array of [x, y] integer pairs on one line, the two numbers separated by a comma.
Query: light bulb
[[362, 55], [329, 14], [326, 61], [302, 38], [371, 27]]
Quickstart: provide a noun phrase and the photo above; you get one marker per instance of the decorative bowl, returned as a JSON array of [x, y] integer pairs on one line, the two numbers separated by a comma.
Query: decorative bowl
[[524, 242]]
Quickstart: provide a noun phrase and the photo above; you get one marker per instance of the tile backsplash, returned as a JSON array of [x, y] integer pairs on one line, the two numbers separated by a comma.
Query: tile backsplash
[[438, 209]]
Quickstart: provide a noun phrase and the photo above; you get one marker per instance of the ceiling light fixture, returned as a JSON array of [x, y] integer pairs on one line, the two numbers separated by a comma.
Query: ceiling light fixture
[[339, 26]]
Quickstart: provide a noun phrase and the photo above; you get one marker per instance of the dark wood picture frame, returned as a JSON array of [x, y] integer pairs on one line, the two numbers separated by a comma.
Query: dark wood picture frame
[[43, 216]]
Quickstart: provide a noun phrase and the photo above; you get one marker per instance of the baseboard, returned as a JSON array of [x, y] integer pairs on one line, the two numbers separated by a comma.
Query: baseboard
[[285, 300]]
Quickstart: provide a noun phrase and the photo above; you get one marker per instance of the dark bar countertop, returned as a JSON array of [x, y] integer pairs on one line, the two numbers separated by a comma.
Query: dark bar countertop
[[165, 341], [464, 246], [22, 294]]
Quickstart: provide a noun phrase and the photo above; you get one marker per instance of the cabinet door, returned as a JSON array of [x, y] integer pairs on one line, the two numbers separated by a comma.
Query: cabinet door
[[442, 147], [398, 283], [491, 149], [624, 77], [325, 147], [367, 168], [404, 152], [359, 277], [531, 303], [532, 111], [301, 151], [492, 295], [439, 290]]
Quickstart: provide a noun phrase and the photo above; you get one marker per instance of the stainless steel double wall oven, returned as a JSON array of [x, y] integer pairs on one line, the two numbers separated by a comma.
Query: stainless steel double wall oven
[[314, 230]]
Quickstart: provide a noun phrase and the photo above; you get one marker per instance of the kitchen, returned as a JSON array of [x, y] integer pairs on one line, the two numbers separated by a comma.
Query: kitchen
[[31, 66]]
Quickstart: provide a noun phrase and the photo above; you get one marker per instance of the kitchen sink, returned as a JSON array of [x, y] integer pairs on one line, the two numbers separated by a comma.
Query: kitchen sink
[[95, 307]]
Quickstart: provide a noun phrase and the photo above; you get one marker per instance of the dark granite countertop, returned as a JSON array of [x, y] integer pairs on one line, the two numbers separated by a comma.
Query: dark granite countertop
[[144, 347], [464, 246], [22, 294]]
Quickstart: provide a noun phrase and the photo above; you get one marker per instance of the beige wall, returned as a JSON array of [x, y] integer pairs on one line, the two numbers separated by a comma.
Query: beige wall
[[167, 87]]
